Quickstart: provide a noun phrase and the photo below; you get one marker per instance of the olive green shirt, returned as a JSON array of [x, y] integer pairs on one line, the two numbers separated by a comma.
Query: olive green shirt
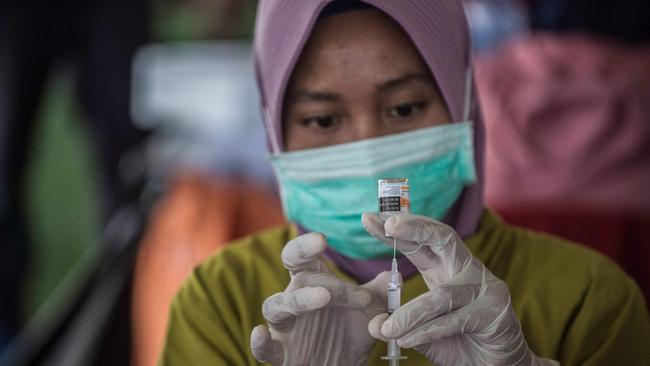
[[574, 305]]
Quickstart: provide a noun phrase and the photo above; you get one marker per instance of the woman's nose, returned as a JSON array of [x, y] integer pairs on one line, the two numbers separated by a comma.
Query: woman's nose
[[370, 126]]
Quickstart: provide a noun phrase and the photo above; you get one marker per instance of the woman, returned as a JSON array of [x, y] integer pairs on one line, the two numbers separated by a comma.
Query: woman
[[352, 92]]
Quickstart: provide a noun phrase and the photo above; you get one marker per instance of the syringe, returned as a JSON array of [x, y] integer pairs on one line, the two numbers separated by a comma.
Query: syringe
[[394, 198], [394, 295]]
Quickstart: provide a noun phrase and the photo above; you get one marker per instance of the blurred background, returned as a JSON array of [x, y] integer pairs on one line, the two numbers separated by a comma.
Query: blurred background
[[132, 148]]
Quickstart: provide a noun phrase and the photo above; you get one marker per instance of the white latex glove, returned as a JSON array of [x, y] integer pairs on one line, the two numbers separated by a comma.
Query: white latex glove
[[318, 319], [466, 318]]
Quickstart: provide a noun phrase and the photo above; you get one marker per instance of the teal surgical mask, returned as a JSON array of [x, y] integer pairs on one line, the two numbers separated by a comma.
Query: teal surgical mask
[[328, 189]]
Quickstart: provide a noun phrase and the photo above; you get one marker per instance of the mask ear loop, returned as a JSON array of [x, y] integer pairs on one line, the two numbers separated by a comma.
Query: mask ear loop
[[468, 106]]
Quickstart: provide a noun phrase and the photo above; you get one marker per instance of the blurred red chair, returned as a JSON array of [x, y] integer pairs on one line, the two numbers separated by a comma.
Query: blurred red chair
[[196, 218], [624, 237]]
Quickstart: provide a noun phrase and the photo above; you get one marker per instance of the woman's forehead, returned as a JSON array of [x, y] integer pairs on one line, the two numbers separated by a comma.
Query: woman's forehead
[[357, 44], [366, 25]]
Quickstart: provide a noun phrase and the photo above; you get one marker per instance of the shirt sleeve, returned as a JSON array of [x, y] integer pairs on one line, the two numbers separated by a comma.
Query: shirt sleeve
[[203, 326], [611, 326]]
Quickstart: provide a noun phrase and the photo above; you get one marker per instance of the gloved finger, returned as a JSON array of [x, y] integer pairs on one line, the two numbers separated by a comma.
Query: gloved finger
[[422, 259], [374, 225], [265, 348], [343, 294], [377, 287], [470, 319], [374, 326], [446, 248], [422, 230], [428, 306], [283, 307], [302, 253]]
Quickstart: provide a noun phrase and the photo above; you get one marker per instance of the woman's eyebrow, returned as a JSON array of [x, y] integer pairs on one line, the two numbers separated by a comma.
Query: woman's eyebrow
[[402, 80], [312, 96]]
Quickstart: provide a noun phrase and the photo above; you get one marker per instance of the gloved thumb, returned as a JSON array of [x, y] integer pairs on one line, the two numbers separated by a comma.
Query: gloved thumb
[[378, 285], [265, 348], [374, 326]]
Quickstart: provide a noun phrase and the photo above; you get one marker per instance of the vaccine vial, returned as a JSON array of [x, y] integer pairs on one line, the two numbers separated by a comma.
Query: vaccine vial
[[394, 197]]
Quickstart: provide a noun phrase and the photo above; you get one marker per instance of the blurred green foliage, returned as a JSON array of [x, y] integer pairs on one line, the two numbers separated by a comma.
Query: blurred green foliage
[[63, 210], [200, 20]]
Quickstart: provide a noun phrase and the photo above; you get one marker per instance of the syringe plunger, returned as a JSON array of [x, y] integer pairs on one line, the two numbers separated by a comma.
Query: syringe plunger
[[394, 295]]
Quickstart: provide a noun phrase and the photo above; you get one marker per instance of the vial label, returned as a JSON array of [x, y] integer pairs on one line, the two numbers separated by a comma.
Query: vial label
[[393, 195], [390, 204]]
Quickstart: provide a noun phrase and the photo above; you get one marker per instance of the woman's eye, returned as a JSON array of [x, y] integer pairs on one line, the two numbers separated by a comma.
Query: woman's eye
[[405, 110], [321, 122]]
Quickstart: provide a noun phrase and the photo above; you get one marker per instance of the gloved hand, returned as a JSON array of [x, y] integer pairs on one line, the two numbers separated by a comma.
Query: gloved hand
[[466, 318], [318, 319]]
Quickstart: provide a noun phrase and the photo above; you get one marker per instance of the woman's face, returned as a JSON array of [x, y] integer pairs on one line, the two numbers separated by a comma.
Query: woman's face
[[359, 76]]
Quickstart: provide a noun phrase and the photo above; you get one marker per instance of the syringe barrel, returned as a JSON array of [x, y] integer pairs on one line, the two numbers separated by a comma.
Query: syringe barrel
[[394, 293], [393, 348]]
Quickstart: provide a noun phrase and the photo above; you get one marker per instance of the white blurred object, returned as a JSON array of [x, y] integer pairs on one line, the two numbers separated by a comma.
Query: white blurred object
[[201, 100], [493, 22]]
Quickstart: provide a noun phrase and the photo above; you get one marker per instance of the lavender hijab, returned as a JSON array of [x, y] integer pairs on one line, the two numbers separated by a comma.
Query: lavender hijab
[[438, 28]]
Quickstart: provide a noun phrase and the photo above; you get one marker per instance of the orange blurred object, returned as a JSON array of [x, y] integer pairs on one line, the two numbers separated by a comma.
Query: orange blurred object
[[197, 217]]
